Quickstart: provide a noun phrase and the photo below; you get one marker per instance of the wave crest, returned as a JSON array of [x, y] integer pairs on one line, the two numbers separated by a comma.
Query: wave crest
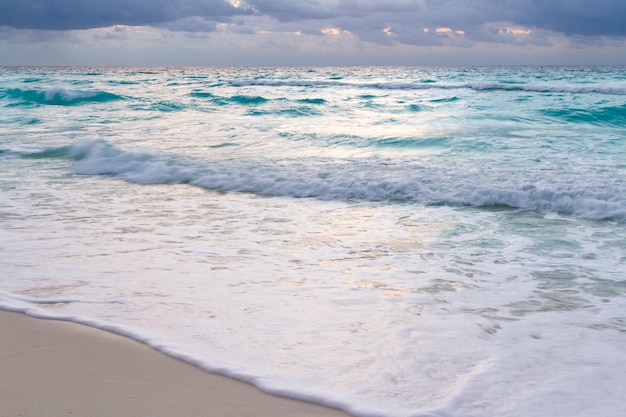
[[611, 115], [339, 180], [59, 96]]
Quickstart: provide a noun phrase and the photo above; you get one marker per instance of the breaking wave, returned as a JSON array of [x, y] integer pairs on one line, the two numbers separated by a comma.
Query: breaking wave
[[327, 179], [58, 96]]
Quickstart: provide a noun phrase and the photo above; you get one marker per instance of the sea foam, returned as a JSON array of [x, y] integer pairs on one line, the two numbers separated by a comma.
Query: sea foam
[[326, 179]]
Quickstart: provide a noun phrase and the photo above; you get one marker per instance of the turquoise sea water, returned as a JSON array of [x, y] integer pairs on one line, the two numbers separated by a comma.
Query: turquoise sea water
[[391, 241]]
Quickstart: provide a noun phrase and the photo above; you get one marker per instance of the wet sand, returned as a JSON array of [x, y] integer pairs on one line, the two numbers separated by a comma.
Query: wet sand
[[55, 368]]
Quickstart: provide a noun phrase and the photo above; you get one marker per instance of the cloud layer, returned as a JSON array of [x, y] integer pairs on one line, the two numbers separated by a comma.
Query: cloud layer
[[88, 14], [264, 28], [363, 17]]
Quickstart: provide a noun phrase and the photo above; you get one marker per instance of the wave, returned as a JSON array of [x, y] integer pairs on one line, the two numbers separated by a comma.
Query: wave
[[370, 181], [610, 115], [416, 143], [243, 100], [248, 100], [536, 88], [256, 103], [302, 111], [58, 96], [445, 100], [159, 106], [312, 101]]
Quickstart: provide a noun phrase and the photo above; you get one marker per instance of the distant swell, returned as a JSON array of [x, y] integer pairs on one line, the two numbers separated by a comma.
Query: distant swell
[[58, 96], [339, 180], [536, 88]]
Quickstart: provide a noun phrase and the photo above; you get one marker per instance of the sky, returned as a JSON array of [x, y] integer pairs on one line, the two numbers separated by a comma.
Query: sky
[[312, 33]]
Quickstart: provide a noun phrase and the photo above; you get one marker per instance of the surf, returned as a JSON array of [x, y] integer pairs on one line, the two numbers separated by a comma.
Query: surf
[[338, 180], [57, 96]]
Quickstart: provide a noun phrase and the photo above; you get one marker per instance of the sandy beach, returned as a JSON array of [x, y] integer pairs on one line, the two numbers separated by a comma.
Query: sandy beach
[[54, 368]]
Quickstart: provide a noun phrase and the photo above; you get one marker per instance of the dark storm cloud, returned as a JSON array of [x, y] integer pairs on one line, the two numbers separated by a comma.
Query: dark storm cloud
[[576, 17], [571, 17], [365, 18], [86, 14]]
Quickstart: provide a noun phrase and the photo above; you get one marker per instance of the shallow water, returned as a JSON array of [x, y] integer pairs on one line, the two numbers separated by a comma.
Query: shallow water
[[393, 241]]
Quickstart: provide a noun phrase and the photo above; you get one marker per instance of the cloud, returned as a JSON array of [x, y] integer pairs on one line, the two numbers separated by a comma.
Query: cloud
[[89, 14], [239, 28], [576, 17], [502, 21], [365, 17], [191, 24], [582, 17]]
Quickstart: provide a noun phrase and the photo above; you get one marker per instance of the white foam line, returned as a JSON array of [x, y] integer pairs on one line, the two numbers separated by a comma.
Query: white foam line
[[27, 305]]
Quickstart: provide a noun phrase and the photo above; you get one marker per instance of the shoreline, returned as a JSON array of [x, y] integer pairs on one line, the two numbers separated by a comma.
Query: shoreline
[[52, 367]]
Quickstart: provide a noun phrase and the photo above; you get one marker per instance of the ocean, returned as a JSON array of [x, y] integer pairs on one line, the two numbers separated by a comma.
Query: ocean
[[398, 242]]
